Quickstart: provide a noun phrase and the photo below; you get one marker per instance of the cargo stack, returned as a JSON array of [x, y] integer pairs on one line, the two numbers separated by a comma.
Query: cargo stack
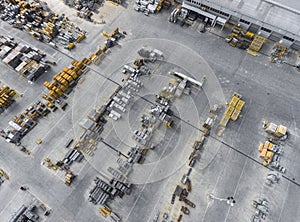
[[271, 155], [26, 60], [64, 81], [84, 8], [266, 153], [22, 123], [232, 112], [69, 178], [7, 97], [35, 18]]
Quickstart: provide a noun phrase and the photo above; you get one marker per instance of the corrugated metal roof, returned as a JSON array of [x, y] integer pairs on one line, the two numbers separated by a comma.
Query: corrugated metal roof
[[284, 14]]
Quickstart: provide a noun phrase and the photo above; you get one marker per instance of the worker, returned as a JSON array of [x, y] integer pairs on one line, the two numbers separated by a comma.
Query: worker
[[24, 188], [230, 201]]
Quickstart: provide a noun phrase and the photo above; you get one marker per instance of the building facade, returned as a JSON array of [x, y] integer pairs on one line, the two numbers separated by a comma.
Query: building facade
[[266, 18]]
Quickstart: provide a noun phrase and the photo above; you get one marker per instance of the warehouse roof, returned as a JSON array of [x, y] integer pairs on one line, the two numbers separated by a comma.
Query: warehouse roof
[[284, 14]]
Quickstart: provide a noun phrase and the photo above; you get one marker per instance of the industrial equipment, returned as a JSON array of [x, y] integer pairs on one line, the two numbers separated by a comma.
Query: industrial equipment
[[262, 209], [7, 97], [256, 45], [69, 178], [70, 46], [233, 110], [3, 174], [277, 52], [113, 34], [40, 22], [105, 211], [240, 38], [277, 131], [266, 152]]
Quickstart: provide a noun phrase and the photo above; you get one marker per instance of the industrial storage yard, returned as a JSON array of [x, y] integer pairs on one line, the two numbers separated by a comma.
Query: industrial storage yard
[[160, 111]]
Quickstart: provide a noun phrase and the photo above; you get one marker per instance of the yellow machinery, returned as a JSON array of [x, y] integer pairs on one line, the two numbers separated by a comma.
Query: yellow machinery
[[116, 2], [7, 96], [70, 46], [95, 57], [62, 80], [233, 110], [138, 63], [278, 131], [240, 38], [49, 99], [207, 125], [277, 52], [80, 37], [257, 43], [266, 153], [50, 165], [107, 35], [2, 172], [69, 178], [105, 211]]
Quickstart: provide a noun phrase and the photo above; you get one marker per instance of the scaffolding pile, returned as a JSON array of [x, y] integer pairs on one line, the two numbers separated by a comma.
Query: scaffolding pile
[[35, 18], [84, 8]]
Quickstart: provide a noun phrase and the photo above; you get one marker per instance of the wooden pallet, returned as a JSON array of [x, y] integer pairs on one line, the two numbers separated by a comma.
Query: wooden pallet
[[257, 43]]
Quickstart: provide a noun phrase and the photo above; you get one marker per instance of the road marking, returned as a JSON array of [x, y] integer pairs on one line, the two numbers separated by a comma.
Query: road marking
[[139, 196], [283, 204], [166, 183], [219, 177], [50, 130], [12, 199], [236, 187]]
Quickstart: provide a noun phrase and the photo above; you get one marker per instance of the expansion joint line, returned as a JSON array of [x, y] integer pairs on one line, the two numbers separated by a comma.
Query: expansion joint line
[[179, 118]]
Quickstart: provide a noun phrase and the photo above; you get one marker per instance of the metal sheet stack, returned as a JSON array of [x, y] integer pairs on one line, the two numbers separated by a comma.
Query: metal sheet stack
[[39, 21], [103, 191], [73, 155]]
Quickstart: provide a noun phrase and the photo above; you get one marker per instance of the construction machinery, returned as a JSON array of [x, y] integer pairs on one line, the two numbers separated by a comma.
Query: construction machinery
[[114, 33], [80, 37], [38, 141], [4, 174], [50, 103], [240, 38], [233, 110], [164, 4], [7, 97], [65, 80], [139, 62], [70, 46], [277, 53], [207, 125], [105, 211], [274, 130], [50, 165]]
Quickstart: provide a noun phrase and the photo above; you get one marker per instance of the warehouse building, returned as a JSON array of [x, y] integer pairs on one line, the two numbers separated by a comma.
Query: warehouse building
[[277, 20]]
